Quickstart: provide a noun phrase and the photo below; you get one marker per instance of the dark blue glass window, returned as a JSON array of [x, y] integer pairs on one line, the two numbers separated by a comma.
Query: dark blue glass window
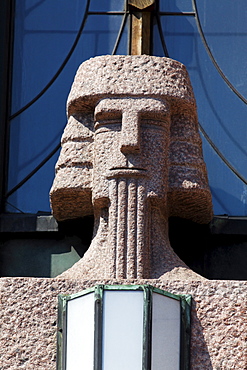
[[52, 38], [212, 44]]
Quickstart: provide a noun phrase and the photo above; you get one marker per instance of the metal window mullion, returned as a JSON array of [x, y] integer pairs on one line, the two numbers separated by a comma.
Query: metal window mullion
[[6, 43], [61, 68], [98, 326], [185, 307], [107, 12], [147, 328], [191, 14], [120, 33], [129, 34], [61, 333]]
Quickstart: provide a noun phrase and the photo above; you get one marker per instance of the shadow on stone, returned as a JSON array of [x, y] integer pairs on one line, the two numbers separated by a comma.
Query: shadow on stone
[[199, 353]]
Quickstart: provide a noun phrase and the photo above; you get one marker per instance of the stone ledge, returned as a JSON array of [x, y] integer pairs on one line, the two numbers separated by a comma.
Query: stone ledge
[[25, 223], [29, 313], [19, 223]]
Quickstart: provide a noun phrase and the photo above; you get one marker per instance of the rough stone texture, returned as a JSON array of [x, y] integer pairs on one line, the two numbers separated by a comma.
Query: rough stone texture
[[131, 76], [131, 152], [29, 312], [142, 75]]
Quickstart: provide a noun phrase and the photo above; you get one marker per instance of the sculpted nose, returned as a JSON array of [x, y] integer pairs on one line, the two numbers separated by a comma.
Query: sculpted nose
[[130, 133]]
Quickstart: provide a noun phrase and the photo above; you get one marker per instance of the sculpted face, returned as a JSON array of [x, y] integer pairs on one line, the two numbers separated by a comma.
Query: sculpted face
[[111, 139], [131, 141]]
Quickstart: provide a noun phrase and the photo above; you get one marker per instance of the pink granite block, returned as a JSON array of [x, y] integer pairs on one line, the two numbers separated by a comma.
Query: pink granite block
[[29, 314]]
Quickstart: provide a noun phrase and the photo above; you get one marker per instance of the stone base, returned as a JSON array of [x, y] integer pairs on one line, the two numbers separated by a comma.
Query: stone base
[[29, 313]]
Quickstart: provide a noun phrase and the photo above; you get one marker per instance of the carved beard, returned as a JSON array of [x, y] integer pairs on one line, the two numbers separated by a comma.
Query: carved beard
[[128, 229], [130, 236]]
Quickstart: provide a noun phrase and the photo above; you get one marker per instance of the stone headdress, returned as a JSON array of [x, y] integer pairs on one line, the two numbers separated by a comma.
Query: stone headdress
[[132, 76]]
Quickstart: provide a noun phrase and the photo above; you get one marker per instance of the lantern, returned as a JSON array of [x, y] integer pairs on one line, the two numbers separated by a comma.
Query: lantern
[[118, 327]]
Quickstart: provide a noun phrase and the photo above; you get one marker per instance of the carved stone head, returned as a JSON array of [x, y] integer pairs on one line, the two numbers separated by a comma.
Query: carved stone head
[[131, 117]]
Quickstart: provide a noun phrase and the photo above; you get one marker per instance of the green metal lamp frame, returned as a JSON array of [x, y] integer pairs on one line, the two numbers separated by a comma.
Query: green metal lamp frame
[[148, 290]]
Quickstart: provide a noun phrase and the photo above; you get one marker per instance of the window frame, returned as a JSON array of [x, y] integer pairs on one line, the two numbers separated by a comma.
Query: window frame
[[6, 55]]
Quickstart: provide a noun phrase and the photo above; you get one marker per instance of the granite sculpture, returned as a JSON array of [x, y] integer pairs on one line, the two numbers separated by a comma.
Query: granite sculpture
[[132, 156]]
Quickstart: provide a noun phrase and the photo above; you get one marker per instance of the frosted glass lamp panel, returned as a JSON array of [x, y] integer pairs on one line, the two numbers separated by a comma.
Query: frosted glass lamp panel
[[122, 330], [166, 323], [80, 333]]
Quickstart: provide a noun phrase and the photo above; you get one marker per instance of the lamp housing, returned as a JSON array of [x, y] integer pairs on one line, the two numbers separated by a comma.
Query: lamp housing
[[134, 327]]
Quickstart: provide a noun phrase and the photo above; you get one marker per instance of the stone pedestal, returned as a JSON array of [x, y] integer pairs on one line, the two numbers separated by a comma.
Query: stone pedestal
[[29, 313]]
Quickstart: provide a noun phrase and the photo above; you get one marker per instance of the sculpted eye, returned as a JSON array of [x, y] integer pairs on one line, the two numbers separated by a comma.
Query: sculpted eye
[[155, 120], [154, 123], [105, 115], [113, 124], [108, 121]]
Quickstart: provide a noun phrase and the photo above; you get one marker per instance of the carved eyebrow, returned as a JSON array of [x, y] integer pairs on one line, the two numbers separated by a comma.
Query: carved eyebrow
[[154, 107], [107, 106], [146, 103], [113, 112], [108, 114], [154, 114]]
